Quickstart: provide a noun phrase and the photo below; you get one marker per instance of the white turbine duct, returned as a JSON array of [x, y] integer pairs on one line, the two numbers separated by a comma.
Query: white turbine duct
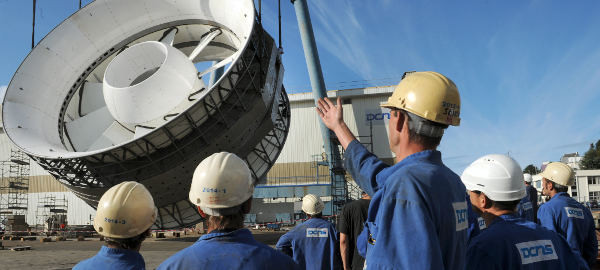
[[117, 92]]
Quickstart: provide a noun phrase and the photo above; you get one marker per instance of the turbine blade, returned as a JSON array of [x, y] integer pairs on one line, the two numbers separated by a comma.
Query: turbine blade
[[169, 36], [91, 98], [203, 43], [220, 64]]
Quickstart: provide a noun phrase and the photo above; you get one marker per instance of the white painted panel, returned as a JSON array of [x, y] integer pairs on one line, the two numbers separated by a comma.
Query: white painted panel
[[113, 135], [141, 131], [92, 98], [86, 130]]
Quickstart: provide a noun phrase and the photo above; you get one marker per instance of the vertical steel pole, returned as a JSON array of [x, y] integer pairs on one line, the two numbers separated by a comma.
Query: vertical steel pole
[[318, 88], [312, 61], [33, 27]]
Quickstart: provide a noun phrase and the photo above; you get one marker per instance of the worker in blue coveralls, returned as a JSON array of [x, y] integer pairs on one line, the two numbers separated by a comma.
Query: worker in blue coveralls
[[313, 244], [525, 209], [532, 194], [222, 188], [124, 216], [566, 216], [418, 213], [495, 184]]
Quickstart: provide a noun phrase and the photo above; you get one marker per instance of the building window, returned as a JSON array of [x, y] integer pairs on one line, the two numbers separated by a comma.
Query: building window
[[594, 195], [593, 180]]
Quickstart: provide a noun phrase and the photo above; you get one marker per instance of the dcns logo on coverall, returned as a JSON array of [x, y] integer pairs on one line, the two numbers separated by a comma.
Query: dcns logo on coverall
[[574, 212], [317, 232], [536, 251]]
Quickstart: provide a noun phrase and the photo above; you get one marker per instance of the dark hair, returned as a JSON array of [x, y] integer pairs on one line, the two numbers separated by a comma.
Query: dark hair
[[507, 205], [558, 187], [319, 215], [234, 221], [128, 243]]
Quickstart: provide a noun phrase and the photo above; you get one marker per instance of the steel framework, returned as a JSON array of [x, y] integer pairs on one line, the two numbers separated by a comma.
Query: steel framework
[[14, 184]]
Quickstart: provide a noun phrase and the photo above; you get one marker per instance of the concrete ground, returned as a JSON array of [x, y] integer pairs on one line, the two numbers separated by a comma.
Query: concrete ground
[[65, 254]]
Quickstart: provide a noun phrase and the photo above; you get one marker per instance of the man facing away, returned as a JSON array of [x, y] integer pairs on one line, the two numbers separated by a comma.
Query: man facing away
[[124, 216], [418, 215], [566, 216], [222, 188], [350, 224], [495, 185], [532, 194], [313, 244]]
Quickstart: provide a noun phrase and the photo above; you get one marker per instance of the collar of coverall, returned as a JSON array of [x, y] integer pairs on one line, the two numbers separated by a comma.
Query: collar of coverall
[[429, 156], [243, 233]]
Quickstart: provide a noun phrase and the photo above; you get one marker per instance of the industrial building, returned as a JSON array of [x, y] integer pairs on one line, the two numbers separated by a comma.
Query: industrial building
[[27, 189]]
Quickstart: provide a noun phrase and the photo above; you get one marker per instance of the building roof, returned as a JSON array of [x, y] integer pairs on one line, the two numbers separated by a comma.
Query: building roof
[[375, 90], [576, 154]]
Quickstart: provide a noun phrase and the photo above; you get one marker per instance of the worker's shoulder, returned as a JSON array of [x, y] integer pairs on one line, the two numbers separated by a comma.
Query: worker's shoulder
[[558, 203], [353, 205], [424, 176], [510, 233]]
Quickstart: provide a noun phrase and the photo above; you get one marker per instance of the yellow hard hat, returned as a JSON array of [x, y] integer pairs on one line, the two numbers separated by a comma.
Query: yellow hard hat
[[124, 211], [559, 173], [429, 95]]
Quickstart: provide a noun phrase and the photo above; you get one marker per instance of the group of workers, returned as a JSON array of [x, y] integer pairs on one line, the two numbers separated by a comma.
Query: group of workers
[[421, 216]]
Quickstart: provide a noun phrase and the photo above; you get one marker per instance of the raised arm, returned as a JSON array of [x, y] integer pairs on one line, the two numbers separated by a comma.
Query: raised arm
[[362, 165]]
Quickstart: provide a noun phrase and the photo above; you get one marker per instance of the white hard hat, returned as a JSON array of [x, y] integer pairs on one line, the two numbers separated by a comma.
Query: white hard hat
[[221, 183], [499, 177], [559, 173], [527, 177], [124, 211], [312, 205]]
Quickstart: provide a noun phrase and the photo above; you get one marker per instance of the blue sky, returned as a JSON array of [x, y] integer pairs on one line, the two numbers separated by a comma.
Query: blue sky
[[528, 71]]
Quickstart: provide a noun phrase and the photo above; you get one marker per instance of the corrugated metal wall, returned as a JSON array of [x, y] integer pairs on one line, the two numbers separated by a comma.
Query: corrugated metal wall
[[78, 212], [305, 145]]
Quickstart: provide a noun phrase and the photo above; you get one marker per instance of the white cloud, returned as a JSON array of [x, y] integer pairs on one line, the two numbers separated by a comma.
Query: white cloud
[[342, 34]]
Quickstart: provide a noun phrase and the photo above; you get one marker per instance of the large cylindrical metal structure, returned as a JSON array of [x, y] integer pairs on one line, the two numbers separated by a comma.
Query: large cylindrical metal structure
[[108, 97]]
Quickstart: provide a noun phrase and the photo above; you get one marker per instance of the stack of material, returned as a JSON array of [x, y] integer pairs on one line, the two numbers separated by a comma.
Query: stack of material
[[16, 223]]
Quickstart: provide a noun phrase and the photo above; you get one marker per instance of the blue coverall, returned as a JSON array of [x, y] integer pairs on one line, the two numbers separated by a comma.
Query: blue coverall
[[476, 223], [228, 250], [573, 221], [525, 209], [314, 244], [114, 259], [418, 213], [511, 242]]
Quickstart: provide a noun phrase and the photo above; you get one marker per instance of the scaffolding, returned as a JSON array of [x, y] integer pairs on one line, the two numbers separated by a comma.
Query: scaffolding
[[341, 188], [14, 186], [52, 212]]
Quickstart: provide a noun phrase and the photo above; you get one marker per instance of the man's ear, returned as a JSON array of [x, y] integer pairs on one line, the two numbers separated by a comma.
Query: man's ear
[[401, 120], [550, 185], [487, 203]]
